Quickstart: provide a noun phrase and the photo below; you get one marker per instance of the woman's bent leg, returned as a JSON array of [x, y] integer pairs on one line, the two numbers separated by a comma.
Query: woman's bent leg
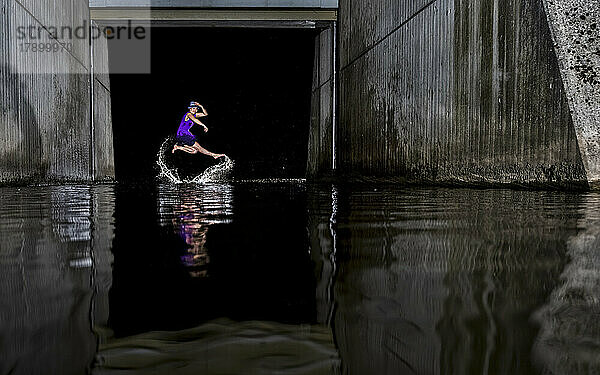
[[190, 149], [185, 148], [206, 152]]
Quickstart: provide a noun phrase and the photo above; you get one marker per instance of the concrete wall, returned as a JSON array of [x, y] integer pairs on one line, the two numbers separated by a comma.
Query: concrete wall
[[320, 152], [454, 90], [575, 31], [103, 151], [218, 3], [45, 117]]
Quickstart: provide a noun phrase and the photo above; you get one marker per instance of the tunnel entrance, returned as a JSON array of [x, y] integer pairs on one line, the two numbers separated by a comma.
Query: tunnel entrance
[[255, 83]]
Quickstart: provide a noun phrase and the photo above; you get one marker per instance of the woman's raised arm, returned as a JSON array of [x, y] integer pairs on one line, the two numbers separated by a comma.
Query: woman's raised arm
[[203, 113], [194, 119]]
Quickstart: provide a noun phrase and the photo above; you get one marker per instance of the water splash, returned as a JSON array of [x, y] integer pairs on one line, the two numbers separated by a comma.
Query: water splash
[[166, 173], [216, 173]]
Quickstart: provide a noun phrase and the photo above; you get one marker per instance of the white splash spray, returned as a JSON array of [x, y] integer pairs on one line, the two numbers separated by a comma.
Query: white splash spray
[[216, 173]]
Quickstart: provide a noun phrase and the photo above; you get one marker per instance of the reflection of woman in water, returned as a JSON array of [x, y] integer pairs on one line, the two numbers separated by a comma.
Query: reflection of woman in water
[[192, 229], [190, 213], [186, 141]]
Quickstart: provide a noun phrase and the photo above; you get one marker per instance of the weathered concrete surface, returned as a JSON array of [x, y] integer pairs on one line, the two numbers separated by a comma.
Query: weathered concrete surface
[[42, 113], [45, 117], [453, 91], [217, 3], [103, 151], [320, 151], [576, 32]]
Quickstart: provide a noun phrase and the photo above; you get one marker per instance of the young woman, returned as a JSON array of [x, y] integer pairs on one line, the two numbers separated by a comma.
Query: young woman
[[186, 141]]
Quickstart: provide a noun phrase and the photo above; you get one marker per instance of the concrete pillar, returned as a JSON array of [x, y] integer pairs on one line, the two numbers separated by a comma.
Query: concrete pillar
[[320, 148], [102, 149], [576, 33], [45, 82]]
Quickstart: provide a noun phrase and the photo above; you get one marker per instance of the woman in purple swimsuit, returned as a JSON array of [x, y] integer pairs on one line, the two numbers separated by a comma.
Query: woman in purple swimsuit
[[186, 141]]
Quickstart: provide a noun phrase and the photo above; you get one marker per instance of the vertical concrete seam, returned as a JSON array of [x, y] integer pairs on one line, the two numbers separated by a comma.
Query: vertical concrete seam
[[92, 120], [334, 105]]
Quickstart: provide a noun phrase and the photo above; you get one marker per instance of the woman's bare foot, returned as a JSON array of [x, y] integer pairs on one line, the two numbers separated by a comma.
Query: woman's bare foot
[[216, 156]]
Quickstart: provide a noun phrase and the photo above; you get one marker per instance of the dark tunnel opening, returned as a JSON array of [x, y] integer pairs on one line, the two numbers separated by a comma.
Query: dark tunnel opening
[[254, 83]]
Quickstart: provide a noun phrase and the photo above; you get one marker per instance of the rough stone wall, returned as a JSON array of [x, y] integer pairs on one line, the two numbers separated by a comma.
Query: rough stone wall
[[45, 116], [453, 91]]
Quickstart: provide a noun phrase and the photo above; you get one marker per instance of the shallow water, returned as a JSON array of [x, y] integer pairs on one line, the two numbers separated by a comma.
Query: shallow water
[[289, 278]]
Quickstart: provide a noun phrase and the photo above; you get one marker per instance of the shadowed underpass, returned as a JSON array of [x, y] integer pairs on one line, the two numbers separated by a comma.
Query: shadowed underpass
[[254, 83]]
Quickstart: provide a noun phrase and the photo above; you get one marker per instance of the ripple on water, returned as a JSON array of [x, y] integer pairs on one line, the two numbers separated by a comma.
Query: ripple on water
[[392, 280]]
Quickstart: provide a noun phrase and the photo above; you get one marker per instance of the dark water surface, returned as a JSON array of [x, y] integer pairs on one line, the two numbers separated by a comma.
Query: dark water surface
[[290, 278]]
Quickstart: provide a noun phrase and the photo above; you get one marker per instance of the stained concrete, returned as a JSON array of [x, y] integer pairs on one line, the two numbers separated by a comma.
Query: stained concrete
[[217, 3], [430, 90], [457, 91], [575, 27], [320, 152], [102, 149], [45, 120]]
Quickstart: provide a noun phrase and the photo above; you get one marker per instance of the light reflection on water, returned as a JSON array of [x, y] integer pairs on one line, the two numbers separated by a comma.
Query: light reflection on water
[[427, 281], [190, 211], [54, 276], [445, 281]]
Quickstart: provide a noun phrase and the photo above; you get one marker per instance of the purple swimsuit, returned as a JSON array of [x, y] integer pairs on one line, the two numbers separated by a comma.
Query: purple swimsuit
[[184, 136]]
